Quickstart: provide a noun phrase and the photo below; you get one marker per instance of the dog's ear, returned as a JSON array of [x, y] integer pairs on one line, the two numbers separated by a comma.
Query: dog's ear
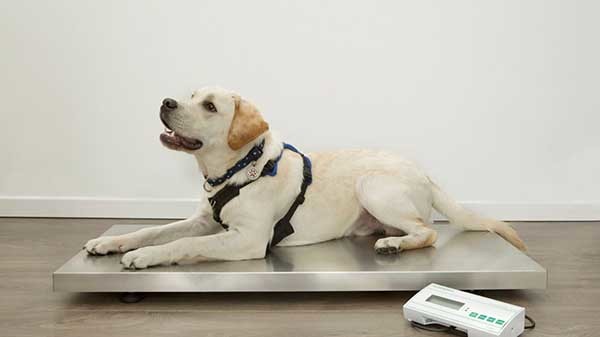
[[247, 124]]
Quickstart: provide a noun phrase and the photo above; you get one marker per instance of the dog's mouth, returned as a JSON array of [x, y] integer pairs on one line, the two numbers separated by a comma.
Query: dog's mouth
[[176, 142]]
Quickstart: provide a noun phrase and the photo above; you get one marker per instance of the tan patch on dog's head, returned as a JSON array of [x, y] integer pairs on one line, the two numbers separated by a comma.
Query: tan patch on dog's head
[[247, 124]]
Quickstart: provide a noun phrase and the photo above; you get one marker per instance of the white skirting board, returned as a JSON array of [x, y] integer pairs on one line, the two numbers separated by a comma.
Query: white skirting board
[[79, 207]]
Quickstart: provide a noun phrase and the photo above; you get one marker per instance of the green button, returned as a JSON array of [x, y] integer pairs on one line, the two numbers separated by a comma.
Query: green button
[[500, 322], [482, 317], [473, 314], [491, 319]]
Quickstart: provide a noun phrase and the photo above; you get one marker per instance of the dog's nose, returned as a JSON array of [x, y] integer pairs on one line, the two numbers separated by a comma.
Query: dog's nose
[[169, 104]]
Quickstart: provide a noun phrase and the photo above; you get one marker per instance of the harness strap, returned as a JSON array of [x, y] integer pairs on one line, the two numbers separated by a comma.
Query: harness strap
[[227, 193], [283, 227], [219, 200]]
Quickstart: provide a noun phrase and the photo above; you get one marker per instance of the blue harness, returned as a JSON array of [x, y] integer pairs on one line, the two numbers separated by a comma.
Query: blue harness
[[283, 227]]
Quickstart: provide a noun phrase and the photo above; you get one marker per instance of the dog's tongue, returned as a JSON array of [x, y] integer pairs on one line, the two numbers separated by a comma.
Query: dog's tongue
[[176, 140], [170, 138], [189, 143]]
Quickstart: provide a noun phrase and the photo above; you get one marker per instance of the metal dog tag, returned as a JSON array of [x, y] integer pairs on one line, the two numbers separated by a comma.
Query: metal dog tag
[[252, 173]]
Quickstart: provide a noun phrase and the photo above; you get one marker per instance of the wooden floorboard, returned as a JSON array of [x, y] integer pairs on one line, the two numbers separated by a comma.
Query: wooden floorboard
[[33, 248]]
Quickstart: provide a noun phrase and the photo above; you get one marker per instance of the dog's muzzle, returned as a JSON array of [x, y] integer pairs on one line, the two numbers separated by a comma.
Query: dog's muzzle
[[169, 137]]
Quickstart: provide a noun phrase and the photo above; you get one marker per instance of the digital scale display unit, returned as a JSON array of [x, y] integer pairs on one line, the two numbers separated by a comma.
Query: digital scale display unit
[[476, 315]]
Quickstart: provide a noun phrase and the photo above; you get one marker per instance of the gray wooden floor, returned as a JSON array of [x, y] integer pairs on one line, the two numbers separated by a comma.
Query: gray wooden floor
[[33, 248]]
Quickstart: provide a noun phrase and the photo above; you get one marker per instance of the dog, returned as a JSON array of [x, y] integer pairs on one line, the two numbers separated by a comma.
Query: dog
[[316, 197]]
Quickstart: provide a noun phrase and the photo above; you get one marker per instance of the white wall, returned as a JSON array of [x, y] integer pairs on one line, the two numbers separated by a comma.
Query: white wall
[[497, 99]]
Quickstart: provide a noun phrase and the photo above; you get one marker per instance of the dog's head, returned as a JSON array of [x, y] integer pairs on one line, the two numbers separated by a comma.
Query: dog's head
[[211, 116]]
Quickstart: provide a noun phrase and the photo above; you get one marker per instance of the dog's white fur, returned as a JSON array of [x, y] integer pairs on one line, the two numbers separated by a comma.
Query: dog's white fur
[[354, 192]]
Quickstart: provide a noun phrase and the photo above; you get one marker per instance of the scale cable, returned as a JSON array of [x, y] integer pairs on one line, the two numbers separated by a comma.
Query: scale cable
[[453, 330]]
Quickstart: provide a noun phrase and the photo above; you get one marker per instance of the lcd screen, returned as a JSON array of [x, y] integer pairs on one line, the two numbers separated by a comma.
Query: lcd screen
[[445, 302]]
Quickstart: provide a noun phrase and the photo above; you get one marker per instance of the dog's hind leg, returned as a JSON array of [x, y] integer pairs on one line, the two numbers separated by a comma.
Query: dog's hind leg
[[398, 204]]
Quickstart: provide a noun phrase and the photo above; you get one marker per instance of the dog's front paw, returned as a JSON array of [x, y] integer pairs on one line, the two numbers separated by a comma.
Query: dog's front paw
[[141, 258], [106, 245]]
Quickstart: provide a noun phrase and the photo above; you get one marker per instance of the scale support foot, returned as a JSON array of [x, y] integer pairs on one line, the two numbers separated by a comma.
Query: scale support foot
[[131, 297]]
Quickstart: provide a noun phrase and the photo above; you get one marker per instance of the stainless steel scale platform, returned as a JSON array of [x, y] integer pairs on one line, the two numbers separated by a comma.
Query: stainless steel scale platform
[[462, 260]]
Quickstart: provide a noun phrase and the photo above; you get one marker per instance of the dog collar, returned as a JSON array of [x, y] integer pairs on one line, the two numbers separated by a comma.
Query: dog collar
[[253, 155]]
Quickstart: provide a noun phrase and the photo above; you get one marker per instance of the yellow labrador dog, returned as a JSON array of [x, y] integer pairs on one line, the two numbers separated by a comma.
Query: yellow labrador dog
[[261, 192]]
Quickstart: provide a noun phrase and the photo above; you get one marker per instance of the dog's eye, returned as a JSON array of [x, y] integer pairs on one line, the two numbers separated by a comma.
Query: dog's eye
[[209, 106]]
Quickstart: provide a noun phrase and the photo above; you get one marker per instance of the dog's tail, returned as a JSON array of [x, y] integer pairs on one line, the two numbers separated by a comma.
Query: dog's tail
[[468, 220]]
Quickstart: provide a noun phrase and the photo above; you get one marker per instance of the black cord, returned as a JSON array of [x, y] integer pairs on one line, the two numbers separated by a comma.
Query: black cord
[[453, 330], [438, 328], [531, 320], [430, 327]]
